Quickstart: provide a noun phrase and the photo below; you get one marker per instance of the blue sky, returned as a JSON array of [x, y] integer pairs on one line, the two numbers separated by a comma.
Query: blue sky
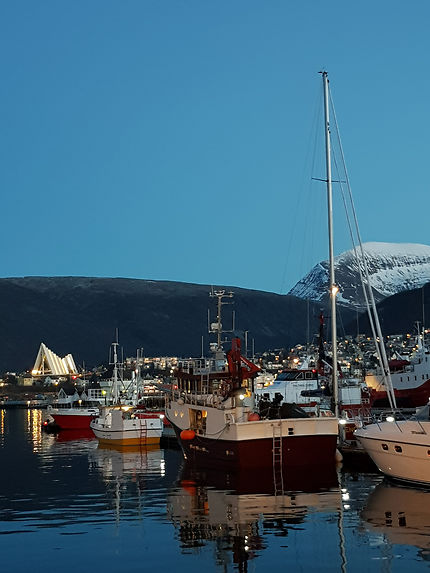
[[170, 140]]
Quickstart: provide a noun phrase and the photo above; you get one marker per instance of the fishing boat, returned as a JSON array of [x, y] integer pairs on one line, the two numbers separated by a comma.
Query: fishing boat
[[71, 412], [400, 448], [213, 411], [410, 376], [127, 426]]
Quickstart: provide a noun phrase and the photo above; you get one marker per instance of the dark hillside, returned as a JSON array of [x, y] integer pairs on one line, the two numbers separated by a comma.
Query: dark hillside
[[79, 316]]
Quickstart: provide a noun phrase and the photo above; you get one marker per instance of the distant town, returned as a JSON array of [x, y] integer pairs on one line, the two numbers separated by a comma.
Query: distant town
[[356, 355]]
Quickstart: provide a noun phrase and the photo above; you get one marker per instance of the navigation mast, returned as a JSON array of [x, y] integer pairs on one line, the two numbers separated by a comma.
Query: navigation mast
[[333, 289]]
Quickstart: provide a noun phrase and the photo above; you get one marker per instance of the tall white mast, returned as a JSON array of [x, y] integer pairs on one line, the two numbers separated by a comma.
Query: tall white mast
[[332, 287]]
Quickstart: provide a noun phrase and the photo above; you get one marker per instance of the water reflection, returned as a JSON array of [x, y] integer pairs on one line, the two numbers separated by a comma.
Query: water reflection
[[132, 478], [82, 435], [2, 426], [144, 508], [238, 512], [34, 427], [127, 463], [30, 419], [401, 515]]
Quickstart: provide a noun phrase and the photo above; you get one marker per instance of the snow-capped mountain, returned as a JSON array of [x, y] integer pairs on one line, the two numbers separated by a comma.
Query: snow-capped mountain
[[392, 268]]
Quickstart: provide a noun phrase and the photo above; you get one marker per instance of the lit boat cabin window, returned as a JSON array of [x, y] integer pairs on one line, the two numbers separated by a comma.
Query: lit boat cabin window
[[294, 375]]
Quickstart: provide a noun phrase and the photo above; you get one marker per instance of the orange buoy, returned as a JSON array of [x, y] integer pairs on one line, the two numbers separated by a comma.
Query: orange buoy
[[253, 417], [189, 486], [187, 435]]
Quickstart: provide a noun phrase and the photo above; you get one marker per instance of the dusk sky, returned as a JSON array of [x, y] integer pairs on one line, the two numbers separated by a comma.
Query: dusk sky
[[171, 140]]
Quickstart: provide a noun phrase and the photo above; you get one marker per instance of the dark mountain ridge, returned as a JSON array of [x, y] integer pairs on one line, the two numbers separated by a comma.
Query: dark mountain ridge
[[398, 314], [79, 315]]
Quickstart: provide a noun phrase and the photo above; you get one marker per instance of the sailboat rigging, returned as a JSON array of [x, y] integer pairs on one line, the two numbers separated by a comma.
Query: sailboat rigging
[[213, 405], [333, 289], [359, 255]]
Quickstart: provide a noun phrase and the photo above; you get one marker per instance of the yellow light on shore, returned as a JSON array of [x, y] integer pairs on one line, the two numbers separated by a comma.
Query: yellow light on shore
[[334, 290]]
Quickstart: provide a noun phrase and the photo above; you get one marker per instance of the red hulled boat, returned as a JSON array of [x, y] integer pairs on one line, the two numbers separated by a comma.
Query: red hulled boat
[[213, 410]]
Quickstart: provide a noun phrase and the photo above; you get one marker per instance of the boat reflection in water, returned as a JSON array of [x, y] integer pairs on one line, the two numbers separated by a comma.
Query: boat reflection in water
[[74, 435], [401, 514], [237, 511], [130, 475], [121, 462]]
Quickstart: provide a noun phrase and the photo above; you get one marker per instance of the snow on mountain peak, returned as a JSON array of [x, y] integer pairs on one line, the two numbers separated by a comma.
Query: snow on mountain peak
[[392, 267]]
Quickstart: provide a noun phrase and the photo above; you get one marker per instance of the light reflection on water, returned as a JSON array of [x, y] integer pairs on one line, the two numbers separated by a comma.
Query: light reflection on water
[[63, 499]]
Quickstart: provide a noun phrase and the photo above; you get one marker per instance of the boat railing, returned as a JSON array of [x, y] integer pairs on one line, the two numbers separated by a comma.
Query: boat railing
[[360, 415], [201, 366], [202, 398]]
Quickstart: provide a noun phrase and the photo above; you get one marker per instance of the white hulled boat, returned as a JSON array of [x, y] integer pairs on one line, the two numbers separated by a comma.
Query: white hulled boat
[[127, 426], [400, 448], [124, 424]]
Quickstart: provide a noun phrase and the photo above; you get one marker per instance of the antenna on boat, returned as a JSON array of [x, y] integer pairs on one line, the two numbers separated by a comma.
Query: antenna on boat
[[114, 350], [216, 327]]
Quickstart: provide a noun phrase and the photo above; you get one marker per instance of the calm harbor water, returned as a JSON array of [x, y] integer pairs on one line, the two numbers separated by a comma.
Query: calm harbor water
[[69, 505]]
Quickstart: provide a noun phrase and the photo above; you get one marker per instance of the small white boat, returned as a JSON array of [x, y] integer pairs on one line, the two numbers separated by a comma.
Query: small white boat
[[400, 448], [126, 426]]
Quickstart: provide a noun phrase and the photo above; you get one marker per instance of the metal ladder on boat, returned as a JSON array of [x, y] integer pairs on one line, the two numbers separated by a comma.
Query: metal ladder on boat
[[278, 478], [143, 431]]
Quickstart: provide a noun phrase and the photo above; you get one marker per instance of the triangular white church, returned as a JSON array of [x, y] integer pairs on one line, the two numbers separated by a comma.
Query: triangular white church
[[47, 362]]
